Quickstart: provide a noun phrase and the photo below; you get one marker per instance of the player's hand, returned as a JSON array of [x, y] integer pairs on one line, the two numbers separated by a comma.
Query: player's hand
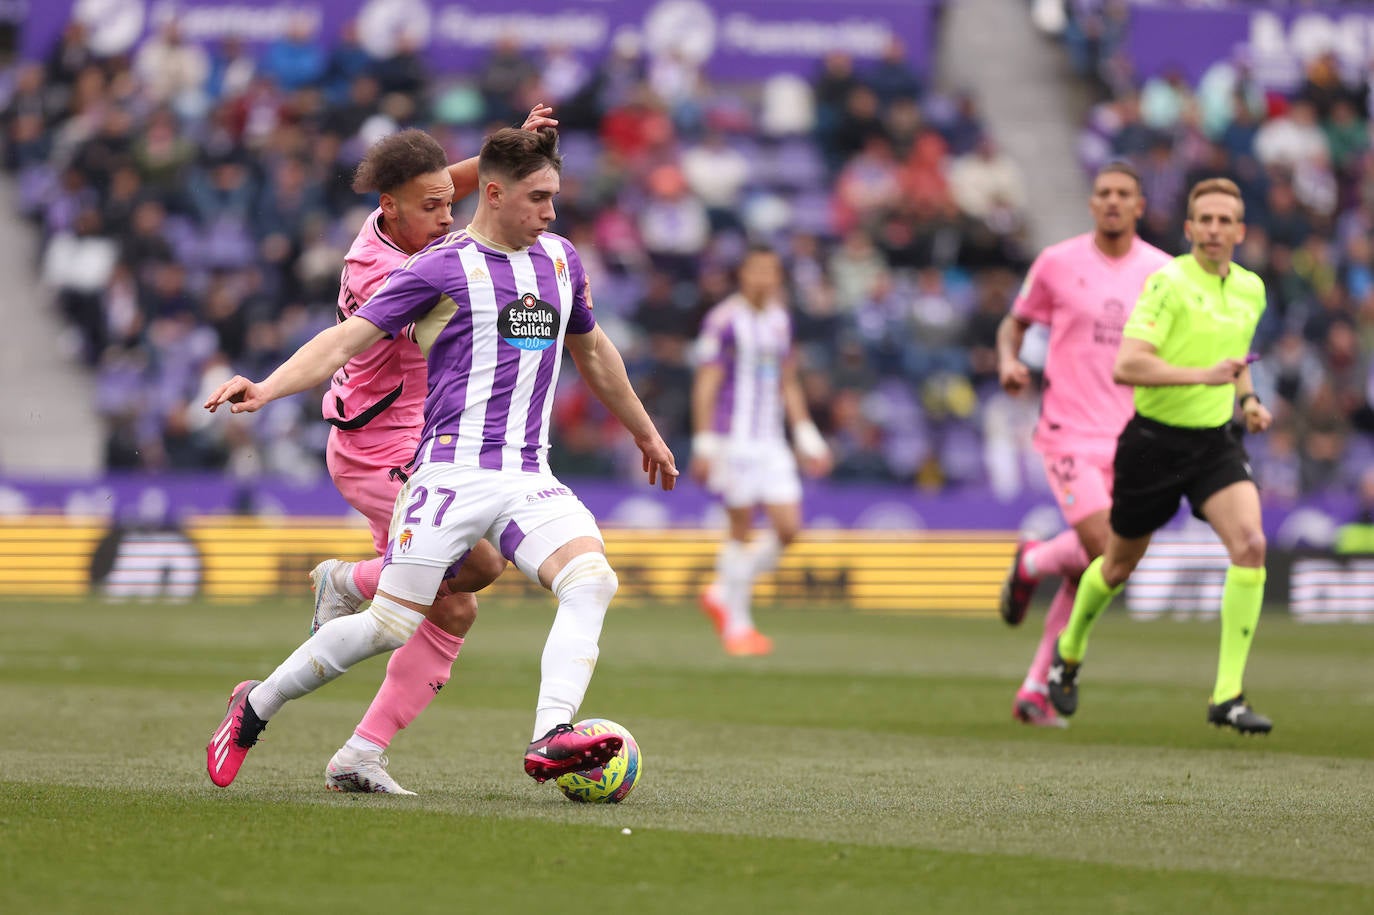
[[1257, 416], [1013, 375], [658, 463], [242, 395], [539, 117], [816, 465], [1224, 372], [700, 469]]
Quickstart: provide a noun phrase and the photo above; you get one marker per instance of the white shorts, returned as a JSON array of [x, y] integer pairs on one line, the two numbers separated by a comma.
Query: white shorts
[[756, 473], [444, 509]]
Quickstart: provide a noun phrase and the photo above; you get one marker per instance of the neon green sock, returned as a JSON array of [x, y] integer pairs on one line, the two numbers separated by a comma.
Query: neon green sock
[[1241, 599], [1093, 597]]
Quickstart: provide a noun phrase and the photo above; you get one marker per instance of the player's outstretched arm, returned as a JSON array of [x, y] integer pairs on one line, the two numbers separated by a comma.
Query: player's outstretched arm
[[310, 365], [464, 174], [603, 369]]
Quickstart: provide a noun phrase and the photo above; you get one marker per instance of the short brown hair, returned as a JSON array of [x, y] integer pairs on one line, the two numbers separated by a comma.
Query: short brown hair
[[394, 160], [1216, 186], [1120, 167], [516, 154]]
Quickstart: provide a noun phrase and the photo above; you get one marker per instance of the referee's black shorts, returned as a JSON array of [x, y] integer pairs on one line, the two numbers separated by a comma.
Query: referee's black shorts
[[1157, 464]]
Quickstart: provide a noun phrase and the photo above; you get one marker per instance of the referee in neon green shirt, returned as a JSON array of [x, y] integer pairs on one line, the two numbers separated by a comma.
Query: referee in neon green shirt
[[1184, 350]]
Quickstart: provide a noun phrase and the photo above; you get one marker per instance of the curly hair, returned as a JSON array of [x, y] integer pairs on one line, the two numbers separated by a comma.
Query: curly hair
[[394, 160]]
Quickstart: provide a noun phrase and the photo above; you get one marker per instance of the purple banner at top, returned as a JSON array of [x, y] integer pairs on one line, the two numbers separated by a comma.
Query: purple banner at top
[[155, 501], [1277, 42], [731, 39]]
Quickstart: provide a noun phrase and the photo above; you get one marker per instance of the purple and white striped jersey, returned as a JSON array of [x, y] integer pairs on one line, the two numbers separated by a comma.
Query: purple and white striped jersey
[[490, 322], [751, 346]]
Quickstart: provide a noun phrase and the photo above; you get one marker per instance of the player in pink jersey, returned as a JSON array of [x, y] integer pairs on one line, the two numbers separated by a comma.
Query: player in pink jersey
[[376, 405], [492, 308], [1083, 289]]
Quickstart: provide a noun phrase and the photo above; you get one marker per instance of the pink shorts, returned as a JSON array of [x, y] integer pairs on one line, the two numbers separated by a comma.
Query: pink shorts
[[1082, 486], [362, 473]]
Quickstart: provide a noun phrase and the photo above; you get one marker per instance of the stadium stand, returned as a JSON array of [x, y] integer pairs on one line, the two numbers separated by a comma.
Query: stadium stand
[[1302, 157], [205, 193]]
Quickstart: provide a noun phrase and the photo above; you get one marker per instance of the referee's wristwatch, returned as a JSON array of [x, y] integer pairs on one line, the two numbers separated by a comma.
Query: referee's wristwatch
[[1246, 398]]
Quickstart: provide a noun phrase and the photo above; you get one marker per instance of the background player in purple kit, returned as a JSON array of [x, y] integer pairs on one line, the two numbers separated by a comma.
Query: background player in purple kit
[[1084, 289], [745, 393], [492, 307]]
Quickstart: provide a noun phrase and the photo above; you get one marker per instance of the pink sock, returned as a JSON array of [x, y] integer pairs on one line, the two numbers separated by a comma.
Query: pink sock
[[1063, 556], [414, 675], [365, 576], [1061, 608]]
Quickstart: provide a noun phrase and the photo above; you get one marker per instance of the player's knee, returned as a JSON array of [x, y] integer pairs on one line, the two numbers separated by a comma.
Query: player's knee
[[590, 574], [1250, 549], [393, 624], [454, 612], [786, 532]]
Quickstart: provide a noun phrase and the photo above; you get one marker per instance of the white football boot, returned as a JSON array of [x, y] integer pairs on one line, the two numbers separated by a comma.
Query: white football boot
[[360, 771]]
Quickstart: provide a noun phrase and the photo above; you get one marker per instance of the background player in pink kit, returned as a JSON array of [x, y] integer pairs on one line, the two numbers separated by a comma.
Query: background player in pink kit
[[746, 387], [492, 307], [1084, 289]]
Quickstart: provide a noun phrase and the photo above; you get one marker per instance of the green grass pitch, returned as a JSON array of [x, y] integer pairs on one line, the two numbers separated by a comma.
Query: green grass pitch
[[870, 765]]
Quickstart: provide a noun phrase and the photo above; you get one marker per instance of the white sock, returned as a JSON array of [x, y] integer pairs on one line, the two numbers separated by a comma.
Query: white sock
[[584, 589], [332, 650], [734, 571], [342, 577], [363, 745], [764, 553]]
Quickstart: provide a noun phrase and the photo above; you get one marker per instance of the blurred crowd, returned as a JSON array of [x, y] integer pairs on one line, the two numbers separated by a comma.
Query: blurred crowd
[[1304, 162], [195, 209]]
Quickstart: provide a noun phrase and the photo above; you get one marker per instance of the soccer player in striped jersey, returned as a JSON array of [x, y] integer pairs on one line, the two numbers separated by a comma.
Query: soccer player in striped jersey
[[375, 405], [1083, 289], [492, 308], [745, 392]]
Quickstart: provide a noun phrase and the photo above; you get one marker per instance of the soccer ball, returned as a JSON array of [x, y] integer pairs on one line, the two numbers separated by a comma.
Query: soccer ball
[[608, 784]]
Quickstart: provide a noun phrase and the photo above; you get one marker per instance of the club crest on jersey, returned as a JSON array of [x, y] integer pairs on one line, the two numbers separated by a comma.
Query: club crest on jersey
[[528, 323], [404, 541], [560, 270]]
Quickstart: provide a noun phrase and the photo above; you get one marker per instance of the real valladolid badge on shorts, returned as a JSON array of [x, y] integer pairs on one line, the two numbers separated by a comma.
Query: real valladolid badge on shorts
[[528, 323]]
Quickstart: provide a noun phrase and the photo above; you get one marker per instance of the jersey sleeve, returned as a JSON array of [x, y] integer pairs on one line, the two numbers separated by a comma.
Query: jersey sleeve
[[714, 342], [1154, 310], [580, 319], [1034, 303], [407, 295]]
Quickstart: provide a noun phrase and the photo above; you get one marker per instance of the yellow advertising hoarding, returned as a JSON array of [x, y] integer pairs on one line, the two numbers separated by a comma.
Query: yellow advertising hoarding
[[251, 559]]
